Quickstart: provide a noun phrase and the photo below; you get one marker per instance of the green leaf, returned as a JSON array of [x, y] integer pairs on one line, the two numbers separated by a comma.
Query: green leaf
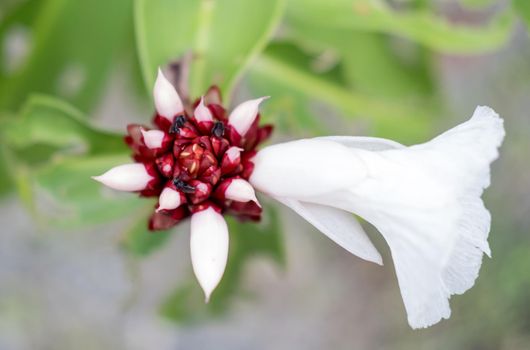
[[290, 109], [48, 122], [420, 26], [6, 5], [138, 240], [373, 63], [287, 65], [5, 180], [164, 31], [186, 303], [372, 67], [222, 35], [70, 48], [523, 8], [52, 152], [72, 199]]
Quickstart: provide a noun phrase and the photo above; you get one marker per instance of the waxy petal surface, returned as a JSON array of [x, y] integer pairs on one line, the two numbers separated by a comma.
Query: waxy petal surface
[[209, 248], [126, 177], [167, 101], [244, 115], [305, 168]]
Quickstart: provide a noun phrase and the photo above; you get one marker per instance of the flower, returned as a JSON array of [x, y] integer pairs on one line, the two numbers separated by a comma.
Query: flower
[[424, 200], [197, 161]]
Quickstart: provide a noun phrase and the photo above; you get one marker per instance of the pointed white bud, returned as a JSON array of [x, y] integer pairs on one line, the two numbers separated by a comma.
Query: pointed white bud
[[169, 199], [153, 138], [202, 113], [209, 248], [233, 153], [244, 115], [167, 101], [126, 177], [241, 191]]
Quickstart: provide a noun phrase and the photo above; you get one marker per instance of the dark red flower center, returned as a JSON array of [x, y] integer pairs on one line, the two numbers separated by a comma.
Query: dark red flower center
[[193, 160]]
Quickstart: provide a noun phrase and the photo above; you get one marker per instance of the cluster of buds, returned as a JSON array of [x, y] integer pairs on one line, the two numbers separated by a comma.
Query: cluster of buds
[[197, 160], [196, 157]]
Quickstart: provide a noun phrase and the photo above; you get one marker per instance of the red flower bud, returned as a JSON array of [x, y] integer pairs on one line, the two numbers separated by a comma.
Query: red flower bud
[[201, 193], [165, 164], [231, 160], [219, 145], [211, 175]]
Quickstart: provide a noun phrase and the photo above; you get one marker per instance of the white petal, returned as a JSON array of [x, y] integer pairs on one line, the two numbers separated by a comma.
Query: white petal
[[169, 199], [167, 101], [126, 177], [233, 153], [366, 143], [305, 168], [209, 248], [425, 200], [339, 225], [153, 138], [241, 191], [202, 113], [244, 115]]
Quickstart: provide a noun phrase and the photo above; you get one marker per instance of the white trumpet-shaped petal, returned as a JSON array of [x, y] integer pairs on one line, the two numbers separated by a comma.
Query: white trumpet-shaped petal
[[169, 199], [153, 138], [241, 191], [126, 177], [202, 113], [233, 153], [424, 199], [244, 115], [167, 101], [209, 248]]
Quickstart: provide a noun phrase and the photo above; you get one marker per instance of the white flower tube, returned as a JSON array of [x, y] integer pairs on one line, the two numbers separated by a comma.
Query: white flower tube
[[424, 199], [209, 248]]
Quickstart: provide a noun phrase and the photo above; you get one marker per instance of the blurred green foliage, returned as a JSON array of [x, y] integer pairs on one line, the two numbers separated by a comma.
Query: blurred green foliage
[[70, 49], [366, 61], [523, 8], [221, 45], [53, 151], [418, 25]]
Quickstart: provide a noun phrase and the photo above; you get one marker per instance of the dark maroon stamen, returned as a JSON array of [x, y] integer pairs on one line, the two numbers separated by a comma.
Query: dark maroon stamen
[[218, 129], [177, 124], [183, 186]]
